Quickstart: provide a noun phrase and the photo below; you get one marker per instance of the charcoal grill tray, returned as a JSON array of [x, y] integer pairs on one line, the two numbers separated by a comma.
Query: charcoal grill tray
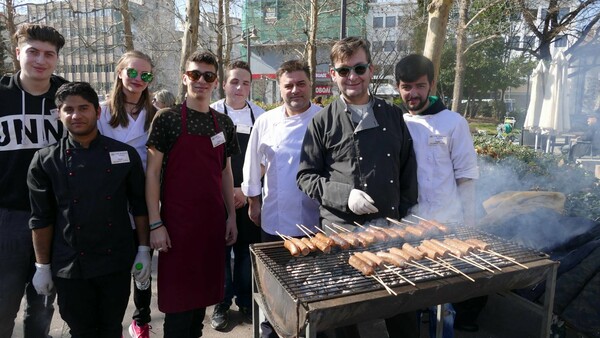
[[325, 290]]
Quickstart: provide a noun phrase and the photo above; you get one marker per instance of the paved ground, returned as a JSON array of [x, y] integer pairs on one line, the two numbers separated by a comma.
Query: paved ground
[[501, 318]]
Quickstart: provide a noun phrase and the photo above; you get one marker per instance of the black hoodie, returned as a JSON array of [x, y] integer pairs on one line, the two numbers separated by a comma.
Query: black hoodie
[[17, 145]]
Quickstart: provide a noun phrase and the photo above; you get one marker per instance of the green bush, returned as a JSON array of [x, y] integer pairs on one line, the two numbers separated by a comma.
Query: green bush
[[504, 167]]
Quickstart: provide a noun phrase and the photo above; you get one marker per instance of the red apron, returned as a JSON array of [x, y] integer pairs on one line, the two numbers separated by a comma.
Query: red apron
[[191, 274]]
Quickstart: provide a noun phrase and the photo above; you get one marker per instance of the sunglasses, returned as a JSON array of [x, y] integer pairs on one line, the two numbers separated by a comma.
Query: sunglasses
[[147, 77], [195, 75], [359, 69]]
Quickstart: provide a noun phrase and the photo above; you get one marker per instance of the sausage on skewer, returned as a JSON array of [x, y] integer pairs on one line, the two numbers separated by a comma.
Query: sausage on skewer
[[324, 247], [291, 247], [360, 265], [395, 260], [311, 246]]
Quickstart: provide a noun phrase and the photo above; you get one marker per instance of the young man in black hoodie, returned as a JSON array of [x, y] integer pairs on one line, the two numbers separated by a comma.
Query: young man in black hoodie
[[28, 122]]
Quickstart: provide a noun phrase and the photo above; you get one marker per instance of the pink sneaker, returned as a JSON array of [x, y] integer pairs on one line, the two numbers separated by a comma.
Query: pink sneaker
[[136, 331]]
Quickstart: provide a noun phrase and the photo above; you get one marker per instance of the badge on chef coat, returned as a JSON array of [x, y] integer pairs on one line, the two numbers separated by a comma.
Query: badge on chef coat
[[437, 139], [217, 139], [243, 129], [118, 157]]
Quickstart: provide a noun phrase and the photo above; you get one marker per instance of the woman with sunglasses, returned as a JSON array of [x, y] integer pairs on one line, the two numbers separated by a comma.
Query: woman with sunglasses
[[126, 117]]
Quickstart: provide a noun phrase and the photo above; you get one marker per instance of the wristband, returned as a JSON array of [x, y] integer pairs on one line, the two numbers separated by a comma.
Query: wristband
[[160, 226], [155, 225]]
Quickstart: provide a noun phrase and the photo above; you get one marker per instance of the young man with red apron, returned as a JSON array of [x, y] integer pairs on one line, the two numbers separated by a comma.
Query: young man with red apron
[[191, 146]]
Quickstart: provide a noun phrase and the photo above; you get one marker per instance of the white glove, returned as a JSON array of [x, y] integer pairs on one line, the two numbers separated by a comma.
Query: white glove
[[42, 279], [361, 203], [142, 265]]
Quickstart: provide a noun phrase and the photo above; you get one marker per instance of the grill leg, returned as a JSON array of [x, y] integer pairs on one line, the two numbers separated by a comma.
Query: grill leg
[[548, 301], [255, 307], [439, 327], [311, 330]]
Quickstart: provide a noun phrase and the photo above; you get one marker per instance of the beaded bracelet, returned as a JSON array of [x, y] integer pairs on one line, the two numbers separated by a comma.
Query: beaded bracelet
[[156, 225]]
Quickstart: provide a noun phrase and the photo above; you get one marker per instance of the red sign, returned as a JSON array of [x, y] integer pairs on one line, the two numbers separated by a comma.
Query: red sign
[[264, 76], [322, 90]]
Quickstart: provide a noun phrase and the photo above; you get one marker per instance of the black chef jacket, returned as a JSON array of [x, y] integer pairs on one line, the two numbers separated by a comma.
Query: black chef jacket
[[378, 159], [86, 194]]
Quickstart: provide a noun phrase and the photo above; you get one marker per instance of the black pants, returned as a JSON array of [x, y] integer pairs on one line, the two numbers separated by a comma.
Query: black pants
[[186, 324], [94, 307]]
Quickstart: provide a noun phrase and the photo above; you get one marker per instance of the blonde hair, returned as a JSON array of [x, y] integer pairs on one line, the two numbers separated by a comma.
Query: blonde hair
[[116, 100]]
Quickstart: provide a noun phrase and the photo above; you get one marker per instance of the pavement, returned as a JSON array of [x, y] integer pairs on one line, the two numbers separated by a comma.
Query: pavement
[[501, 318]]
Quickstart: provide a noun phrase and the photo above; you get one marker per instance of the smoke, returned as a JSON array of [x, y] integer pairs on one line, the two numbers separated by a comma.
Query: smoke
[[536, 222]]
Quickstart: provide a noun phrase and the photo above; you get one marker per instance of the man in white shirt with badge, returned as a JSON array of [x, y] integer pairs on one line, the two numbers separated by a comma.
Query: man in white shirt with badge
[[274, 151], [238, 281]]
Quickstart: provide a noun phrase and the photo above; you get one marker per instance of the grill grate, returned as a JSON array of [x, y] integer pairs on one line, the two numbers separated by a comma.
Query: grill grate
[[321, 276]]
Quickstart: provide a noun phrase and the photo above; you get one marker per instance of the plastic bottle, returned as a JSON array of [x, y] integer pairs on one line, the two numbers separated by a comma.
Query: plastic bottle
[[141, 285]]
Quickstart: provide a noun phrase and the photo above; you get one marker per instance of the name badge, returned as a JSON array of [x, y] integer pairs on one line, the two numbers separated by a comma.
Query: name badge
[[243, 129], [437, 139], [117, 157], [218, 139]]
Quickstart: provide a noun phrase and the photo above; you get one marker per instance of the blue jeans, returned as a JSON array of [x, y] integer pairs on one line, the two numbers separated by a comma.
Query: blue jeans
[[16, 270], [238, 280], [448, 318]]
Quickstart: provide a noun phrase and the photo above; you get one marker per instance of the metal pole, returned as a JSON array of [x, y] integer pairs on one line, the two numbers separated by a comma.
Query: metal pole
[[343, 20]]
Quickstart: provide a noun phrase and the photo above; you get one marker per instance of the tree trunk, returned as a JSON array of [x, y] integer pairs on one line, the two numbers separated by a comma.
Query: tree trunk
[[190, 39], [312, 40], [461, 41], [220, 56], [436, 33], [12, 29], [228, 33], [124, 9]]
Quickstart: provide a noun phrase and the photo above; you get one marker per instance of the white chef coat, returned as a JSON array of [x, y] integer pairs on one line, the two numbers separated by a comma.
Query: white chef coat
[[275, 142], [134, 134], [444, 149], [240, 117]]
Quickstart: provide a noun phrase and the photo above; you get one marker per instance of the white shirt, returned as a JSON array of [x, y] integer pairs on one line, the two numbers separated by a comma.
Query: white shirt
[[275, 142], [134, 134], [444, 149], [240, 117]]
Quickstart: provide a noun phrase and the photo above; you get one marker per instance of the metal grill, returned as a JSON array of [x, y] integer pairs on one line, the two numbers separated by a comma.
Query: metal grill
[[324, 290]]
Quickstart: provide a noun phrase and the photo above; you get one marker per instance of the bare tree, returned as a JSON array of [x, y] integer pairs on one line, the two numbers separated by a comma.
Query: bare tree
[[126, 15], [11, 27], [190, 39], [436, 33]]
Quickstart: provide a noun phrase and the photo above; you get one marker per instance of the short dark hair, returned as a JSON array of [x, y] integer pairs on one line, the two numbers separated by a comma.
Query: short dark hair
[[34, 32], [345, 48], [82, 89], [412, 67], [203, 57], [293, 66], [238, 65]]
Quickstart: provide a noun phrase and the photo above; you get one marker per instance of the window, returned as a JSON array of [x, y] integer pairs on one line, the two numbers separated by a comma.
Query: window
[[514, 42], [561, 42], [562, 13], [390, 21], [377, 22], [389, 46], [377, 46]]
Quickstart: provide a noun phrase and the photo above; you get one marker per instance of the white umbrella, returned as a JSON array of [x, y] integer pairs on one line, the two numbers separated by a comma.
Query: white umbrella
[[532, 119], [554, 116]]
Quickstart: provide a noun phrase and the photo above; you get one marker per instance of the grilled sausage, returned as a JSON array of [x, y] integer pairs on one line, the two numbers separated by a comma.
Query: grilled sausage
[[366, 259], [309, 244], [395, 260], [369, 238], [403, 234], [390, 233], [360, 265], [339, 241], [455, 251], [291, 247], [409, 249], [321, 245], [350, 238], [428, 252], [441, 227], [479, 244], [463, 246], [304, 250], [439, 249], [414, 231], [380, 236], [401, 253], [373, 257], [324, 239]]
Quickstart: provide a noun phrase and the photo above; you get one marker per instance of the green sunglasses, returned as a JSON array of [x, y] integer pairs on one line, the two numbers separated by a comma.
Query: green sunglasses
[[147, 77]]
